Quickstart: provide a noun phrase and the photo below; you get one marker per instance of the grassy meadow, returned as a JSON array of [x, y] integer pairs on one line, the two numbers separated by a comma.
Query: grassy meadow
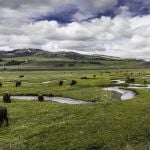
[[36, 63], [110, 124]]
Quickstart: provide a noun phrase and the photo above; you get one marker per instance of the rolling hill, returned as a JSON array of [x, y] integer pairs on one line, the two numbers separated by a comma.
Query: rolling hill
[[39, 52], [37, 59]]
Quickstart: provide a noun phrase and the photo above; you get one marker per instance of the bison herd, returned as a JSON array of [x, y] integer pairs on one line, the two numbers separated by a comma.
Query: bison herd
[[17, 84], [3, 110], [7, 99], [73, 82], [61, 83]]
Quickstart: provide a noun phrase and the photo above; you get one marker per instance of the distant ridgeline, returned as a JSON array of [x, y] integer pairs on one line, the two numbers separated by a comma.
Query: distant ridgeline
[[37, 59], [39, 52]]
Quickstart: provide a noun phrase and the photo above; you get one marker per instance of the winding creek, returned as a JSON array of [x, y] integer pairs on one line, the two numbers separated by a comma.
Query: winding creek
[[45, 82], [139, 86], [62, 100], [125, 94]]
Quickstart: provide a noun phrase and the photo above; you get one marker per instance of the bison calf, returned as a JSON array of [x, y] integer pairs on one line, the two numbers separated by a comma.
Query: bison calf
[[3, 115]]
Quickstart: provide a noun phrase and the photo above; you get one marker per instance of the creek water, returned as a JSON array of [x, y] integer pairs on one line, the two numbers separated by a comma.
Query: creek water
[[125, 94], [51, 99]]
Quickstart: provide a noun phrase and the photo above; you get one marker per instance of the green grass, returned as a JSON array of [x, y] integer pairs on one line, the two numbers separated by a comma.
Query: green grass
[[45, 63], [111, 124], [89, 90], [36, 125]]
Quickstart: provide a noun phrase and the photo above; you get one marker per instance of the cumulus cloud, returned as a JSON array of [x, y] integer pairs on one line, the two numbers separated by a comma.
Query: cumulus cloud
[[123, 35]]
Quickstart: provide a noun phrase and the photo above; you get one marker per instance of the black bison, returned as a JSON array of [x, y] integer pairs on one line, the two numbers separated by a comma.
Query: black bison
[[18, 83], [61, 83], [6, 98], [21, 76], [3, 115], [1, 84], [41, 98], [74, 82]]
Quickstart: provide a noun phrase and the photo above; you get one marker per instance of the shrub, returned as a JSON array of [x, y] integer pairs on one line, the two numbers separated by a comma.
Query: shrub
[[84, 77], [14, 62], [145, 82], [1, 60], [130, 80], [94, 76], [71, 65], [60, 65]]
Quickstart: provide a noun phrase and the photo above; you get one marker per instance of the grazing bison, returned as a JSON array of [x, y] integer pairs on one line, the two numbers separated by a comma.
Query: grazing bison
[[1, 84], [61, 83], [6, 98], [41, 98], [18, 83], [21, 76], [3, 115], [74, 82]]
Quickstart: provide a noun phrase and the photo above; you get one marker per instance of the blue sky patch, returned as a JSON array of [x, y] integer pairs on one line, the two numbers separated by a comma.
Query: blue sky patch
[[65, 14]]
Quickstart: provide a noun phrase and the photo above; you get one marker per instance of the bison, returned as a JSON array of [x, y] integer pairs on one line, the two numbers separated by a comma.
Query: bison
[[21, 76], [1, 84], [6, 97], [41, 98], [61, 83], [3, 115], [74, 82], [18, 83]]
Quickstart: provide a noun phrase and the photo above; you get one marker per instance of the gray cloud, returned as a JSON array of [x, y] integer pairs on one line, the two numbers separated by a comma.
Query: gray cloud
[[121, 36]]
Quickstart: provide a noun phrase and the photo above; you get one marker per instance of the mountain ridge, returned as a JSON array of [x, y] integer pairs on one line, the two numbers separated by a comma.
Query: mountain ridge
[[60, 54]]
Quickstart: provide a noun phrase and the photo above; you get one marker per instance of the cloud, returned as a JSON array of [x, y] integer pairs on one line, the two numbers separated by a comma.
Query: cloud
[[29, 9], [123, 35]]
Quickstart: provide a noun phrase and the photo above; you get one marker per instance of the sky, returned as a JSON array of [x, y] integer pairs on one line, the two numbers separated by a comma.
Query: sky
[[118, 28]]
